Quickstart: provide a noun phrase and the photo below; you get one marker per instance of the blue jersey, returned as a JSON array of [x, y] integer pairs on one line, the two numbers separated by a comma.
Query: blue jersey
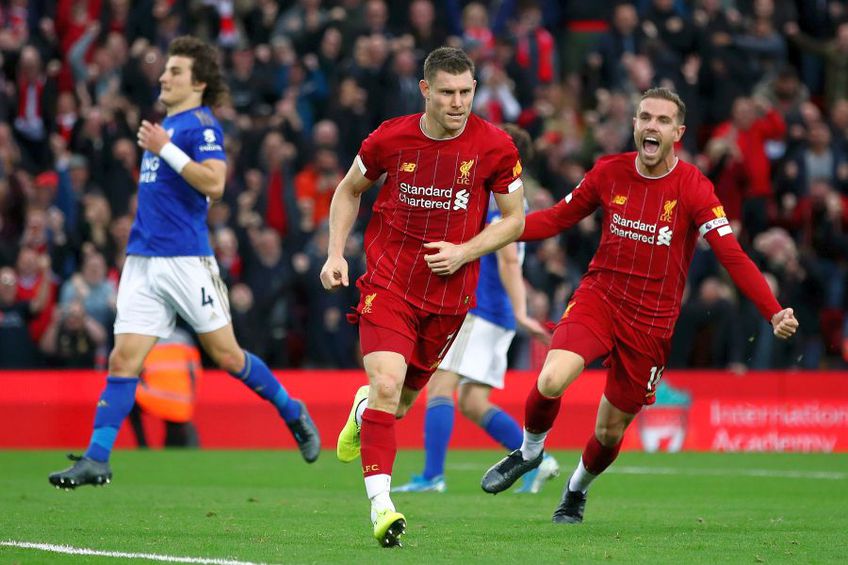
[[171, 216], [492, 300]]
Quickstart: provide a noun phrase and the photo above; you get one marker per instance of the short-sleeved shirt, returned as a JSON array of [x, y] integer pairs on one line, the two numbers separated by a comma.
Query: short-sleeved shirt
[[171, 216], [435, 190], [650, 227]]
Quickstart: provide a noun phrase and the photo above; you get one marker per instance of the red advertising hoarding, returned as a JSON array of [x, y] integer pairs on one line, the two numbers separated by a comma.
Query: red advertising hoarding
[[702, 411]]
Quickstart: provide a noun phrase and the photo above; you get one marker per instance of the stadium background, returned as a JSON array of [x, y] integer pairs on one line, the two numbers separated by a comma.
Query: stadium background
[[766, 83]]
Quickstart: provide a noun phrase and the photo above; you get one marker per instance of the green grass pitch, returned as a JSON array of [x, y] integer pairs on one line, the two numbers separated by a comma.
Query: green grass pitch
[[270, 507]]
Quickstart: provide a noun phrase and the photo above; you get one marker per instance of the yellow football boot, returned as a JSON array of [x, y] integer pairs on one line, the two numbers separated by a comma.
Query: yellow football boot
[[347, 446], [389, 525]]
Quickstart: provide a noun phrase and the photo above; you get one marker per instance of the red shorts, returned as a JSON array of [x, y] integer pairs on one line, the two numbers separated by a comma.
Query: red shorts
[[636, 360], [389, 323]]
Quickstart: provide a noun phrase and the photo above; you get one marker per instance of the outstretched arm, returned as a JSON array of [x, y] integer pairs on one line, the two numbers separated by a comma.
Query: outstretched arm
[[751, 282], [561, 216], [343, 211]]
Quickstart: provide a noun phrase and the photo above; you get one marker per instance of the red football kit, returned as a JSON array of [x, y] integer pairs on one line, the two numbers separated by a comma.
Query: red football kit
[[435, 190], [629, 299]]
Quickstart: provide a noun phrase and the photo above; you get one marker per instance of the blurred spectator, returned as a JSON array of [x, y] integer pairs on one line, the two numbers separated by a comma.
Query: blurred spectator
[[754, 122], [32, 276], [74, 339], [834, 52], [314, 187], [17, 348], [36, 105], [623, 41], [91, 287]]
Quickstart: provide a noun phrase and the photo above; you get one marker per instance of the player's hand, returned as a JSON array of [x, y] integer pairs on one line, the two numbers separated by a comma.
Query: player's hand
[[152, 137], [448, 258], [784, 323], [535, 329], [334, 273]]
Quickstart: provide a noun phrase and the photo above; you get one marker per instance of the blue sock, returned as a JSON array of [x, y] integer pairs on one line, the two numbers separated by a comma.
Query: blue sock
[[258, 377], [438, 427], [114, 405], [503, 428]]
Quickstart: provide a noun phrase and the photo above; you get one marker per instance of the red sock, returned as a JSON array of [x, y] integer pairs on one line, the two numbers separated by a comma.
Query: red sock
[[596, 457], [540, 411], [379, 446]]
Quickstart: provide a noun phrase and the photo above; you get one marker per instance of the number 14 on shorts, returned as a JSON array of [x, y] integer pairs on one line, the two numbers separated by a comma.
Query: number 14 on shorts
[[656, 375]]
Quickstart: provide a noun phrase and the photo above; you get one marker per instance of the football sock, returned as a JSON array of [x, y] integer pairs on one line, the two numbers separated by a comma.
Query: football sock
[[438, 426], [378, 450], [540, 411], [258, 377], [532, 445], [502, 428], [580, 479], [595, 459], [114, 405]]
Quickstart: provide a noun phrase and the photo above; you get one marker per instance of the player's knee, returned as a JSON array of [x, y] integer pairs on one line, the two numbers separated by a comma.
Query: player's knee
[[551, 383], [609, 436], [123, 363], [386, 388], [230, 361]]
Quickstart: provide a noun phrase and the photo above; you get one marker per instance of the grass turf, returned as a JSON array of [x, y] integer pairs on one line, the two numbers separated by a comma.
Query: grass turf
[[268, 506]]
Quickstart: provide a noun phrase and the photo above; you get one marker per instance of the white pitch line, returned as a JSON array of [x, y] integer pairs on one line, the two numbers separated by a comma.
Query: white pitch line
[[825, 475], [67, 549], [632, 470]]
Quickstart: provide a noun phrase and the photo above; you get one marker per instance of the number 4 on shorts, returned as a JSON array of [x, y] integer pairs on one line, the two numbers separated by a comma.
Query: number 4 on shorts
[[204, 300]]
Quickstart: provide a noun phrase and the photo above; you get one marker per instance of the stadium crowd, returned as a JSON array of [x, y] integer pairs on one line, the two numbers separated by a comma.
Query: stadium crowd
[[765, 82]]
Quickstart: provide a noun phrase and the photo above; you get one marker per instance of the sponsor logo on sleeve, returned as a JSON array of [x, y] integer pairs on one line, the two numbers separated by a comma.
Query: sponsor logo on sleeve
[[722, 224], [516, 170], [719, 212], [210, 141]]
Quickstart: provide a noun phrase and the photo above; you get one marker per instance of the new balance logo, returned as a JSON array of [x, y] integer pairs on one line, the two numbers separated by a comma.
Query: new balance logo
[[461, 200], [664, 236]]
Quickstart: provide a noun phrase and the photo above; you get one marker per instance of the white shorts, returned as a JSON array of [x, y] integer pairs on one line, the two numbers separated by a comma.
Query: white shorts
[[478, 354], [153, 290]]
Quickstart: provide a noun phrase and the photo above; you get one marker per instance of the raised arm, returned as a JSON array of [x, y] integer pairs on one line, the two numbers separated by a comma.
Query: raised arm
[[343, 211]]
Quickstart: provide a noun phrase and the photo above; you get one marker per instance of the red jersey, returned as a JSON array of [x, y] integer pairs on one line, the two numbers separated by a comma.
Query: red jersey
[[435, 190], [650, 228]]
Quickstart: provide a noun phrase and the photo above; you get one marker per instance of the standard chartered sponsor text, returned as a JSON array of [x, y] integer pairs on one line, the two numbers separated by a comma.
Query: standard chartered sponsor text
[[420, 196], [628, 226]]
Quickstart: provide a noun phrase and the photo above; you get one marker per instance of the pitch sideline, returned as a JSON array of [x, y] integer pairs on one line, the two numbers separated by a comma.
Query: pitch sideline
[[645, 470], [70, 550]]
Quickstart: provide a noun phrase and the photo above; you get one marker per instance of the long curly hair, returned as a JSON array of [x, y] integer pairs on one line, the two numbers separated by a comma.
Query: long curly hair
[[204, 67]]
